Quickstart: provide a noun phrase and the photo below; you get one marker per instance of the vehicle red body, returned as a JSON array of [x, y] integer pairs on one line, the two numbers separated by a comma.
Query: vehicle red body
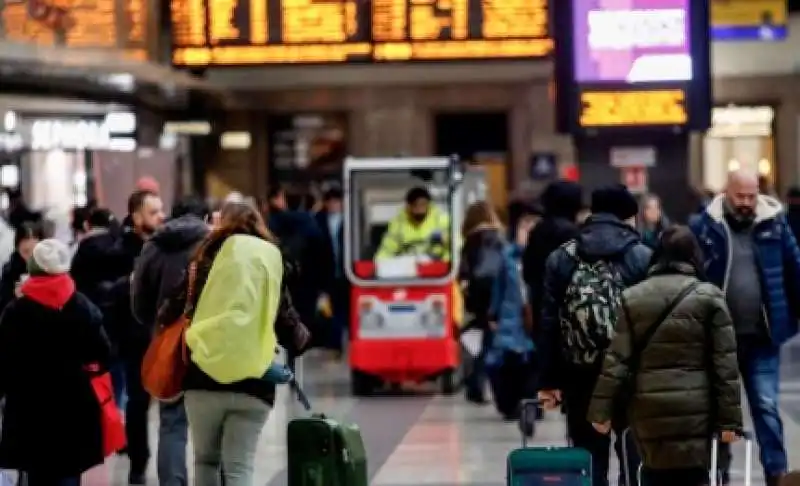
[[402, 360]]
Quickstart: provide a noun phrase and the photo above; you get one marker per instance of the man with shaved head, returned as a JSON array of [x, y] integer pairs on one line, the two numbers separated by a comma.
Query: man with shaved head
[[752, 255]]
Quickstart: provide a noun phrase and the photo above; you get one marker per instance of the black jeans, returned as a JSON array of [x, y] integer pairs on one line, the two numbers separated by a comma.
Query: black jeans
[[674, 477], [136, 415], [34, 479], [577, 395]]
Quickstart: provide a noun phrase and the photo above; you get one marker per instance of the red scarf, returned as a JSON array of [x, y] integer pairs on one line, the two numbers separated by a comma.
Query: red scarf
[[52, 291]]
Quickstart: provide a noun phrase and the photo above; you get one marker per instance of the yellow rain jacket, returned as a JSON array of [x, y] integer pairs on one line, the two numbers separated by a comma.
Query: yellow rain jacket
[[431, 237], [232, 334]]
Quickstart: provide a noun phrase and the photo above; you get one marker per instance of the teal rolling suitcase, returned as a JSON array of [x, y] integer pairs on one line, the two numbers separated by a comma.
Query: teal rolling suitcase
[[324, 452], [546, 466]]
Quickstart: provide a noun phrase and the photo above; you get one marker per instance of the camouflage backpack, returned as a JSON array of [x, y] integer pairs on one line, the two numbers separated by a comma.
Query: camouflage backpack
[[589, 314]]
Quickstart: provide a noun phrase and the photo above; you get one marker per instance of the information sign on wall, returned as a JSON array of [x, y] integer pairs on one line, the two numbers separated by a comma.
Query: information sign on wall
[[749, 20]]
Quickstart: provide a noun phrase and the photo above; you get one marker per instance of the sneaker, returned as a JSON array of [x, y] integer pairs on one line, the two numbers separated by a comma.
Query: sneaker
[[135, 478], [774, 480]]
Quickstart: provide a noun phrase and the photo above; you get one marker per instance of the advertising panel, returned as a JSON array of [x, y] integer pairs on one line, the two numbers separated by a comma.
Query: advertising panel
[[649, 40]]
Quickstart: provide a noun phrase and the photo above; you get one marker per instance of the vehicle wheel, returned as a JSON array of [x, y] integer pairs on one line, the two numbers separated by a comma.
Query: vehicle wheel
[[447, 382], [361, 384]]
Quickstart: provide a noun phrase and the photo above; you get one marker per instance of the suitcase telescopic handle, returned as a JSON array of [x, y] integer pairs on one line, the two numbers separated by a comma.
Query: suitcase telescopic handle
[[527, 415], [713, 473], [301, 395]]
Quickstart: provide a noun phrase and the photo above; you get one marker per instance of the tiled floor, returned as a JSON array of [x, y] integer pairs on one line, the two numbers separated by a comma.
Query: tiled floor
[[428, 440]]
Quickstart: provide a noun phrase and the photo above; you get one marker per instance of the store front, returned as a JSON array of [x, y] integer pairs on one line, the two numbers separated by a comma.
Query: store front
[[740, 137]]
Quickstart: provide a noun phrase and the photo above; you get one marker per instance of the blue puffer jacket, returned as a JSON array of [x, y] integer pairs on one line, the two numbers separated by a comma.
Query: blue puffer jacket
[[777, 254], [507, 311]]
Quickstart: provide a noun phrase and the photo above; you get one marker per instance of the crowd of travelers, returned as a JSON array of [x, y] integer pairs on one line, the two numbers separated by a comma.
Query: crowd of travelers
[[633, 327], [71, 308], [636, 328]]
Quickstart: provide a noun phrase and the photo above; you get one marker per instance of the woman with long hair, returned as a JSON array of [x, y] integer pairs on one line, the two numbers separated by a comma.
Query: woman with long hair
[[226, 419], [493, 295], [652, 221], [671, 369]]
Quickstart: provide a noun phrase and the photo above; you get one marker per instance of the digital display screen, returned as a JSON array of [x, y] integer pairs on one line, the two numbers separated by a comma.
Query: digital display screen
[[247, 32], [77, 23], [604, 109], [631, 41]]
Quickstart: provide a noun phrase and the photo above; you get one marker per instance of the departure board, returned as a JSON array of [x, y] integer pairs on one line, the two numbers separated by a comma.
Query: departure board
[[119, 24], [248, 32], [459, 29], [633, 108]]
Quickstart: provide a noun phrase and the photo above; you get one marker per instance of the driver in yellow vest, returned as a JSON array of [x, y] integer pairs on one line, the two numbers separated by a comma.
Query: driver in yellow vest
[[421, 228]]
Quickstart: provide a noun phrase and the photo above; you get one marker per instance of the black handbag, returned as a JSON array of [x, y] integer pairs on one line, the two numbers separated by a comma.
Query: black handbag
[[627, 389]]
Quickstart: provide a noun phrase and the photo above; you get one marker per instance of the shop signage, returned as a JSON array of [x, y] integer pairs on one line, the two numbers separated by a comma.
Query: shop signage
[[115, 132], [69, 135], [622, 157]]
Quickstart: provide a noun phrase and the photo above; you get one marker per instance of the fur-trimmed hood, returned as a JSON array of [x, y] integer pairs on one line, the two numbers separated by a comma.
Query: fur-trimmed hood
[[767, 207]]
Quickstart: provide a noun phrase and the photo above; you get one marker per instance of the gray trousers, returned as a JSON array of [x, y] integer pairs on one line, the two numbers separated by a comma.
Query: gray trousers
[[225, 428]]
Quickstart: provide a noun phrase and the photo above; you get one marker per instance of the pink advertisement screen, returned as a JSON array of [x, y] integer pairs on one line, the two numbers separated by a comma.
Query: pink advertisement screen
[[632, 41]]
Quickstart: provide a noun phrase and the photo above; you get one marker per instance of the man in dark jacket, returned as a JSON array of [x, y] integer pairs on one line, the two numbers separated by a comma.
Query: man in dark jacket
[[752, 255], [562, 201], [159, 271], [96, 268], [145, 217], [607, 236], [336, 287], [301, 242]]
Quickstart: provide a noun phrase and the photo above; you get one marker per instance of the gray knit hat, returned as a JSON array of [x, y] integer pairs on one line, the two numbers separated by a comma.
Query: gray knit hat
[[50, 257]]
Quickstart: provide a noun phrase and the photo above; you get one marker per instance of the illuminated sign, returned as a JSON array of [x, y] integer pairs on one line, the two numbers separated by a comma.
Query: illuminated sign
[[645, 41], [115, 132], [747, 20], [242, 32], [77, 23], [633, 108]]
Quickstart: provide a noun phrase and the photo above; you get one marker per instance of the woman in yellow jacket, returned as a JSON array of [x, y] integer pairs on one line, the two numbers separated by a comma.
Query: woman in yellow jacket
[[227, 400]]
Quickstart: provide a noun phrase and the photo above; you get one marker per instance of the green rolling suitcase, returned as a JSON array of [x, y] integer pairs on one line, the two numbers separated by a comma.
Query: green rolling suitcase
[[324, 452], [546, 466]]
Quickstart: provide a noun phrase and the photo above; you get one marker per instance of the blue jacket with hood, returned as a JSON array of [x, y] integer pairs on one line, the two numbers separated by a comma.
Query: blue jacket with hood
[[507, 311], [777, 257]]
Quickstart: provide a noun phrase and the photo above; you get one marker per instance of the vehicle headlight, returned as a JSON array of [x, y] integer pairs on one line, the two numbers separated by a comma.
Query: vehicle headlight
[[371, 319]]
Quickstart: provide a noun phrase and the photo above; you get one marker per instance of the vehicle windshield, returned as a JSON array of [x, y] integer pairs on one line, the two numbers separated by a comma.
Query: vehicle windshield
[[392, 240]]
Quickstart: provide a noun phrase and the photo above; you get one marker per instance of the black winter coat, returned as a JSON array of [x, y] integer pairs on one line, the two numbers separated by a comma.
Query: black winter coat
[[161, 266], [51, 421], [13, 270], [97, 267], [602, 237]]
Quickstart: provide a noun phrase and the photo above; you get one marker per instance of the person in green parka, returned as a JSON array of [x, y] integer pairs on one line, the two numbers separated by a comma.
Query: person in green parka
[[687, 379]]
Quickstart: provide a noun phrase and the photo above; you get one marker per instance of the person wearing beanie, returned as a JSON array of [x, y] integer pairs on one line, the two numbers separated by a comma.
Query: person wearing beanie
[[583, 282], [48, 337], [615, 200]]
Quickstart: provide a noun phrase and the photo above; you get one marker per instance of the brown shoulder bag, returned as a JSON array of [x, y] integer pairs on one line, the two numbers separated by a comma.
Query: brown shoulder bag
[[166, 360]]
